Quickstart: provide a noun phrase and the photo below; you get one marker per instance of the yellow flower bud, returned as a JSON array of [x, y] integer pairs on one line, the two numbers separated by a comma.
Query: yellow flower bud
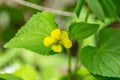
[[57, 48], [48, 41]]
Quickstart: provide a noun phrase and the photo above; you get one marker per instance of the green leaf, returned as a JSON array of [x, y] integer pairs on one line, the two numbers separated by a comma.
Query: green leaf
[[96, 9], [110, 78], [79, 6], [105, 58], [32, 34], [117, 4], [80, 30], [110, 8], [9, 77], [106, 78]]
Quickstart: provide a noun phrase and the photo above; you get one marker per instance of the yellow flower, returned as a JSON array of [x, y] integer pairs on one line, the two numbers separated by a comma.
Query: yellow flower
[[56, 39]]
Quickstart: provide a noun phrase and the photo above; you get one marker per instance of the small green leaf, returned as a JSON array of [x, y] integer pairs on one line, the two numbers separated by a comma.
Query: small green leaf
[[32, 34], [9, 77], [79, 6], [96, 9], [80, 30], [105, 58]]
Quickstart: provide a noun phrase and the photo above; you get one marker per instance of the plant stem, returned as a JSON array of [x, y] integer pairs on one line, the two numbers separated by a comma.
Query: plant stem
[[38, 7], [77, 58], [77, 62], [69, 63], [80, 45], [87, 15]]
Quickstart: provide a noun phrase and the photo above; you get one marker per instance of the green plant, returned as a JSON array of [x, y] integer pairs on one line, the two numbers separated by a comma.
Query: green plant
[[103, 58]]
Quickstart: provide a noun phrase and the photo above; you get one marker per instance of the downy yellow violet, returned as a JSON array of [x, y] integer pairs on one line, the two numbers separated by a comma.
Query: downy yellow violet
[[56, 39]]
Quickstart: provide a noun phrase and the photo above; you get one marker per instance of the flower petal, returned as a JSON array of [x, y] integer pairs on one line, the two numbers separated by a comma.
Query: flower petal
[[55, 34], [63, 35], [48, 41], [67, 43], [57, 48]]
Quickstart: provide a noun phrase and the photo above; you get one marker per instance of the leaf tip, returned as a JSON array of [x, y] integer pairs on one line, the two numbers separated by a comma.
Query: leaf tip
[[6, 45]]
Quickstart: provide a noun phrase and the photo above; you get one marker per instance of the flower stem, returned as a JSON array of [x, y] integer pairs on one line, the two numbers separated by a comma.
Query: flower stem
[[38, 7], [80, 45], [69, 64], [87, 15], [77, 59]]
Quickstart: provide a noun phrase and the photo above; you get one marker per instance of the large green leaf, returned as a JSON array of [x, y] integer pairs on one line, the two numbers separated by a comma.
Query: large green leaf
[[106, 78], [9, 77], [96, 9], [79, 6], [110, 78], [109, 7], [117, 4], [32, 34], [105, 58], [80, 30]]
